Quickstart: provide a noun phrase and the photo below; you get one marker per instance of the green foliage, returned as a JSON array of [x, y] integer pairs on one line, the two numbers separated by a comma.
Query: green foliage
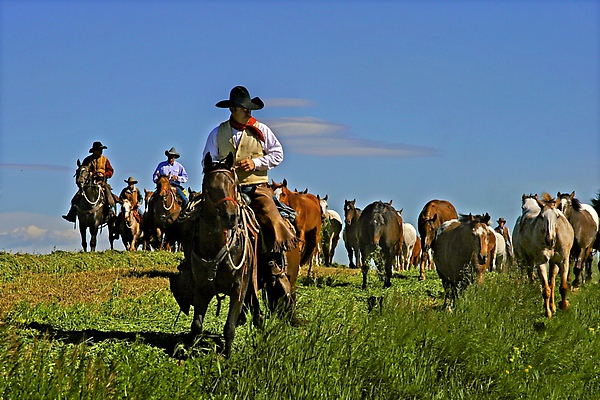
[[127, 344]]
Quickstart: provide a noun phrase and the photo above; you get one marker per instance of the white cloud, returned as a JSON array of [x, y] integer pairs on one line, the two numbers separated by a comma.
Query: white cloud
[[288, 102], [313, 136], [36, 233]]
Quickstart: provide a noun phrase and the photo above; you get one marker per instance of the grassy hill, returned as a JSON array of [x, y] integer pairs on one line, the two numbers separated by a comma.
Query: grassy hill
[[105, 325]]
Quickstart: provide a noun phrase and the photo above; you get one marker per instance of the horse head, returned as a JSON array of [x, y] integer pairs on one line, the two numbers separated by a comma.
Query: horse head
[[82, 175], [349, 211], [324, 205], [479, 228], [567, 203], [220, 189], [549, 214], [530, 205], [281, 191]]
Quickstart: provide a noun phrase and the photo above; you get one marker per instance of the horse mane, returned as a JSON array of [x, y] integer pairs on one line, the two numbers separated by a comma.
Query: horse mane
[[478, 218], [576, 204]]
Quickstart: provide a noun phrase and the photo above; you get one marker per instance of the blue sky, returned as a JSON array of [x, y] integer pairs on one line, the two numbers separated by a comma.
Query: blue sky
[[473, 102]]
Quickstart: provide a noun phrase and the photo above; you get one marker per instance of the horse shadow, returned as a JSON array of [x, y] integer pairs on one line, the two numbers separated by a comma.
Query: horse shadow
[[180, 346]]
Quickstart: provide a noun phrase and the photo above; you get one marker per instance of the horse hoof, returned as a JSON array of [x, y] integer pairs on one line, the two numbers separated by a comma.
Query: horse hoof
[[564, 305], [421, 277]]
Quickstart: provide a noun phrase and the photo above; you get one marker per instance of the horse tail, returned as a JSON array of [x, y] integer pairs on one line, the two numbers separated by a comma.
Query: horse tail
[[310, 245]]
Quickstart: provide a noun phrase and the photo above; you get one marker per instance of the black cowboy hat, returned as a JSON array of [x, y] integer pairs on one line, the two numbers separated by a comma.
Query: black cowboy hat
[[501, 220], [97, 146], [240, 97], [131, 180], [172, 153]]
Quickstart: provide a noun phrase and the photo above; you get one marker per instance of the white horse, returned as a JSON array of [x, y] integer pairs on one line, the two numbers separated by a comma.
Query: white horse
[[543, 239], [330, 232], [408, 242]]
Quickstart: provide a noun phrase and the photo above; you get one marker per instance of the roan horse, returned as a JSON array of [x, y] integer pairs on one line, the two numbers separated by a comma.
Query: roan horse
[[351, 232], [461, 253], [166, 210], [584, 220], [128, 226], [433, 215], [90, 208], [543, 238], [381, 226]]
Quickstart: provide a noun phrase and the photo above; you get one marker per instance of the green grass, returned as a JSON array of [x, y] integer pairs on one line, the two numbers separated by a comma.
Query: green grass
[[124, 341]]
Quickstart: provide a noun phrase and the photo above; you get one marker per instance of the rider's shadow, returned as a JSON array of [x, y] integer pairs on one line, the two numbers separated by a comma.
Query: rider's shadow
[[180, 346]]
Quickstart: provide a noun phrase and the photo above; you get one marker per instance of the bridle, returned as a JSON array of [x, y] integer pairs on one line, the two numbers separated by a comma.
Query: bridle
[[233, 180]]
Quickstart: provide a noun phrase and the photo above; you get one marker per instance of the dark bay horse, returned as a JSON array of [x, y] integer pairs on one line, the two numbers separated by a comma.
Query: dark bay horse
[[166, 210], [351, 232], [222, 257], [308, 218], [380, 225], [461, 253], [584, 220], [433, 215], [90, 207], [543, 238]]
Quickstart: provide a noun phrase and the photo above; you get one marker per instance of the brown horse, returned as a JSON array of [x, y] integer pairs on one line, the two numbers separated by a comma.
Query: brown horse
[[415, 257], [308, 218], [166, 209], [433, 215], [461, 254], [584, 220], [222, 255], [351, 232], [543, 238], [380, 225]]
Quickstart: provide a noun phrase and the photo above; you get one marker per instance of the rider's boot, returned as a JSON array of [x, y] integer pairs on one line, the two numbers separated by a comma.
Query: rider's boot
[[71, 215]]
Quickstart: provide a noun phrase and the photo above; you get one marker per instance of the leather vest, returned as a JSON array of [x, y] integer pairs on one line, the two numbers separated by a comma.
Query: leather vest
[[248, 147]]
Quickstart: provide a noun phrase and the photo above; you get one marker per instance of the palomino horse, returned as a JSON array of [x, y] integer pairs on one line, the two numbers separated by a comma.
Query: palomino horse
[[352, 232], [222, 257], [381, 226], [543, 238], [584, 220], [307, 221], [166, 210], [461, 253], [128, 226], [433, 215], [330, 229], [90, 208]]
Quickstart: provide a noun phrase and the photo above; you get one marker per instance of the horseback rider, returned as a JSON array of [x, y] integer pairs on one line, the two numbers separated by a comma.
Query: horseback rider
[[256, 149], [176, 173], [102, 171], [503, 230], [128, 193]]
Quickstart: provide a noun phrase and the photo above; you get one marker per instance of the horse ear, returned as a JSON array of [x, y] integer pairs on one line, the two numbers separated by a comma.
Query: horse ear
[[486, 218], [400, 212], [390, 203], [319, 198], [78, 163], [229, 160], [207, 160], [284, 183], [326, 197], [572, 194]]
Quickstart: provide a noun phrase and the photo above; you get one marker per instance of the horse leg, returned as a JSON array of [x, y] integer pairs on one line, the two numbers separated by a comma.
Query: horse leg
[[82, 231], [93, 238], [200, 306], [564, 284], [424, 259], [350, 251], [546, 290], [364, 268], [389, 265]]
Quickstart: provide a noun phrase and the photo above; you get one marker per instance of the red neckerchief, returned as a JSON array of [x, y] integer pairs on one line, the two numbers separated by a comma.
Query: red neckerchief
[[248, 126]]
